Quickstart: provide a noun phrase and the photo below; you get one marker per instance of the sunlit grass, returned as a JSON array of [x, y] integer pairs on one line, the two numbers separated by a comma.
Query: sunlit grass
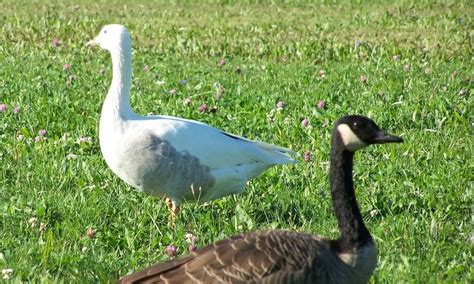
[[407, 66]]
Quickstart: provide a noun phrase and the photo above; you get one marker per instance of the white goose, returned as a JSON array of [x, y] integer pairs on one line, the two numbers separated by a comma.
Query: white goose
[[170, 156]]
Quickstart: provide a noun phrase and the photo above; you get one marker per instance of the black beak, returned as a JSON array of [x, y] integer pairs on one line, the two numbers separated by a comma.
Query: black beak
[[383, 137]]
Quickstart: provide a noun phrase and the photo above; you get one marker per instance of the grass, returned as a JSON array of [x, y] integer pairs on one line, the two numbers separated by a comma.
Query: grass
[[416, 198]]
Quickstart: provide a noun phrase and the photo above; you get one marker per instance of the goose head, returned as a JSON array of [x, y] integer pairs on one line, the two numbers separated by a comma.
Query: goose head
[[112, 37], [357, 132]]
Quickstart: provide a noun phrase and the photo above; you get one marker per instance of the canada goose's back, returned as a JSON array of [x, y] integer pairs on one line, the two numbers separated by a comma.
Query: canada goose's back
[[265, 257]]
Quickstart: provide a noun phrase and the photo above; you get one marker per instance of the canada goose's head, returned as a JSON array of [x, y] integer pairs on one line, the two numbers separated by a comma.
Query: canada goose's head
[[112, 37], [357, 132]]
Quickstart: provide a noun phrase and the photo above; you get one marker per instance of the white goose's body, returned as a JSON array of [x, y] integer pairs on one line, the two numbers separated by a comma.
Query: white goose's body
[[157, 156], [170, 156]]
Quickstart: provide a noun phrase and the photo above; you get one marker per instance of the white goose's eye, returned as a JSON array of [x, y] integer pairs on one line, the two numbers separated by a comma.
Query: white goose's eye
[[105, 31]]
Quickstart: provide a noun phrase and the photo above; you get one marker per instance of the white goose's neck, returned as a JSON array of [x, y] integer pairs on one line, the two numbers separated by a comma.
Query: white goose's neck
[[117, 102]]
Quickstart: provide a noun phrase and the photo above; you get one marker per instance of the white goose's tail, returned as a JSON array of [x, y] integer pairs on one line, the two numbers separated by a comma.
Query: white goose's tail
[[277, 154], [265, 152]]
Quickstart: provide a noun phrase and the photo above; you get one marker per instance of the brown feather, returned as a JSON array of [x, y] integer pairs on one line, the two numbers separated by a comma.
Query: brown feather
[[288, 257], [247, 258]]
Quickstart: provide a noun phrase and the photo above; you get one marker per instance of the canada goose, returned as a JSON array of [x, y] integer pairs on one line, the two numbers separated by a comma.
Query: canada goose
[[277, 256], [171, 156]]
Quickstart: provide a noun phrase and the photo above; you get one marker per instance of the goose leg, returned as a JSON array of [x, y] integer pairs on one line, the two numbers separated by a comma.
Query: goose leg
[[173, 207]]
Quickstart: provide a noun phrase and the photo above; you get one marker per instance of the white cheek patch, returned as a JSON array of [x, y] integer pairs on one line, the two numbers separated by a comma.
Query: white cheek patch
[[350, 140]]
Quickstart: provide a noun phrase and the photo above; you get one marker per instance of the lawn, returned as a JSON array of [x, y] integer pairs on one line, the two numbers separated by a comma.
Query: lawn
[[64, 216]]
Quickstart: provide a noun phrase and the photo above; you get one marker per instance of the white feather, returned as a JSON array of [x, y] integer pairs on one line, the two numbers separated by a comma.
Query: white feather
[[349, 138], [175, 157]]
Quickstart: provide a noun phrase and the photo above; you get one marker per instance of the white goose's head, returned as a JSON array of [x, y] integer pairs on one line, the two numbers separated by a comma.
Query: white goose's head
[[112, 37], [357, 132]]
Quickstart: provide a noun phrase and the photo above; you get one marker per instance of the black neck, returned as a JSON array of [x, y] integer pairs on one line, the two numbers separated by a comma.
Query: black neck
[[353, 232]]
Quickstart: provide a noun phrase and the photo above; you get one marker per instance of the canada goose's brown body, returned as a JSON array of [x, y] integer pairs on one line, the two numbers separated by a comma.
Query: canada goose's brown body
[[278, 256], [265, 257]]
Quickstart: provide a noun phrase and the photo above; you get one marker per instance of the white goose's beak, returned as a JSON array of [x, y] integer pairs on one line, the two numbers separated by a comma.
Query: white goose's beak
[[92, 42]]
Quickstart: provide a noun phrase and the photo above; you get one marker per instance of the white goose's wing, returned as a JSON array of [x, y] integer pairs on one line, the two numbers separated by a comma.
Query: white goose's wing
[[185, 159], [213, 147]]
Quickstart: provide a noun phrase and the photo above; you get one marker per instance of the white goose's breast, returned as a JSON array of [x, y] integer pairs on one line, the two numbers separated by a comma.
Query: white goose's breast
[[114, 138], [153, 165]]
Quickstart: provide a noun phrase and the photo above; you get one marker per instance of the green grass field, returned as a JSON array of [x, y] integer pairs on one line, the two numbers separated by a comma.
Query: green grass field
[[408, 65]]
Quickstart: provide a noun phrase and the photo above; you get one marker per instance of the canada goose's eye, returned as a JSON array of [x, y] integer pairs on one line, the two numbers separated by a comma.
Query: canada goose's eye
[[355, 124]]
